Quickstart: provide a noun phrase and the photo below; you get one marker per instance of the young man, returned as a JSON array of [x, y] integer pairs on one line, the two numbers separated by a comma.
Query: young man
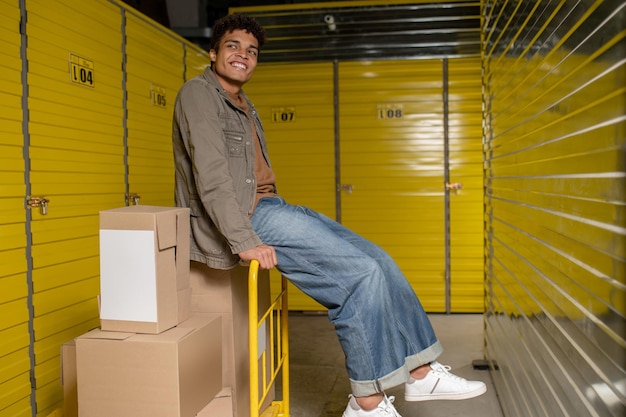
[[224, 176]]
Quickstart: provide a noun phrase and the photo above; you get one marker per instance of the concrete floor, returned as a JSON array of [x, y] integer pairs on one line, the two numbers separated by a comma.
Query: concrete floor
[[319, 383]]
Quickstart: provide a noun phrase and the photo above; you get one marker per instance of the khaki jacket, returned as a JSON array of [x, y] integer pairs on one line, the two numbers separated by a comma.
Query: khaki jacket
[[214, 160]]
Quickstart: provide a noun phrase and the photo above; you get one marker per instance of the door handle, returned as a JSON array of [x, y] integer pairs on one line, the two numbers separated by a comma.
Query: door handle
[[41, 202], [346, 187], [132, 199], [454, 186]]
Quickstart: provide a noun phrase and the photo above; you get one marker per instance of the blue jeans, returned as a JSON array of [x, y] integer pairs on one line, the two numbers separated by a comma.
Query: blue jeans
[[381, 325]]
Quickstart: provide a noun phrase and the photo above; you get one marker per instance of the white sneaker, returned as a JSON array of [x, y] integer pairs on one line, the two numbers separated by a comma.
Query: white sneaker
[[384, 409], [440, 384]]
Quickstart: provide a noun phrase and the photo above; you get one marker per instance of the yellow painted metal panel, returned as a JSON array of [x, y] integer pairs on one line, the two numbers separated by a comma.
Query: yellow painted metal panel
[[13, 287], [15, 363], [391, 121], [102, 184], [196, 61], [14, 338], [12, 235], [298, 119], [48, 349], [14, 359], [47, 372], [555, 180], [15, 399], [59, 297], [155, 72], [50, 395], [13, 313], [11, 123], [71, 316], [466, 166], [13, 262], [46, 254], [76, 160]]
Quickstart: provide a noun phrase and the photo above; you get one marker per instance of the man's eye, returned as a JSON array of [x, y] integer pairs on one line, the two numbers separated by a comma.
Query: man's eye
[[252, 52]]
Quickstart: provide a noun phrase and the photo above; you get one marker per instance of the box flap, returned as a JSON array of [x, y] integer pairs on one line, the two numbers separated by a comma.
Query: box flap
[[128, 218], [166, 229], [136, 217], [172, 335], [105, 335]]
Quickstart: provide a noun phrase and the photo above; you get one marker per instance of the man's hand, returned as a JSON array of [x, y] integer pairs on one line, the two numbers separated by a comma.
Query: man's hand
[[263, 253]]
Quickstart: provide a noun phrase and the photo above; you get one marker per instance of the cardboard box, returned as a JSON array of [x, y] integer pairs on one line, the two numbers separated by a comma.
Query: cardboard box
[[220, 406], [144, 261], [184, 304], [226, 292], [68, 379], [172, 374]]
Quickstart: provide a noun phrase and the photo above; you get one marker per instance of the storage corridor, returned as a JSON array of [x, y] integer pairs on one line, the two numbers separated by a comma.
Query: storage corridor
[[320, 386]]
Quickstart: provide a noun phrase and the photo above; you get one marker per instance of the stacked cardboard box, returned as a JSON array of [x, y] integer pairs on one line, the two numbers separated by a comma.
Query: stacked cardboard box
[[144, 268], [226, 293], [172, 341]]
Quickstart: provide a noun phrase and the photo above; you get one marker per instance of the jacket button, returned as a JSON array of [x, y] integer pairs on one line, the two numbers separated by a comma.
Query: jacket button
[[248, 181]]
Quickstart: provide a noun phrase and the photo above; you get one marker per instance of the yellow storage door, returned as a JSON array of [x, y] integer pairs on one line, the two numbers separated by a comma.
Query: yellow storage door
[[298, 119], [76, 162], [465, 162], [392, 165], [154, 73], [196, 61], [14, 313]]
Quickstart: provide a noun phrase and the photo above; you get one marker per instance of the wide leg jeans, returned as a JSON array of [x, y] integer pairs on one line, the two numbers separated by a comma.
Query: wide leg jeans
[[381, 324]]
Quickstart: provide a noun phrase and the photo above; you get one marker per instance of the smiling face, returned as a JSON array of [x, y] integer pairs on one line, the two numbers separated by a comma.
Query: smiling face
[[235, 59]]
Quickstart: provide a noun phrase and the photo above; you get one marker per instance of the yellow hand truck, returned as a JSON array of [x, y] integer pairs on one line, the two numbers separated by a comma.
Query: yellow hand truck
[[276, 317]]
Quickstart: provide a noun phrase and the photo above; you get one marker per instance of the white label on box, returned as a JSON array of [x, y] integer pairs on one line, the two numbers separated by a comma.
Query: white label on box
[[128, 275]]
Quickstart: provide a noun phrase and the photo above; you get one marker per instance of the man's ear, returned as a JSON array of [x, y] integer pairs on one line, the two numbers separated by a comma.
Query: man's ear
[[212, 55]]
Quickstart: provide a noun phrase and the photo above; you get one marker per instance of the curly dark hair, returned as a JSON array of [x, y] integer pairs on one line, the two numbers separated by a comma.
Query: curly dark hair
[[232, 22]]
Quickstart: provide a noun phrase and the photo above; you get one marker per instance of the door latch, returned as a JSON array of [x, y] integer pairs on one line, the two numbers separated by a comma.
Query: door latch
[[132, 199], [346, 187], [41, 202], [454, 186]]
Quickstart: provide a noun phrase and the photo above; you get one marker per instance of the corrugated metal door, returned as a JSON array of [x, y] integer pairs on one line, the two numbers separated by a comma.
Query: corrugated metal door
[[555, 173], [15, 364], [463, 101], [76, 161], [375, 135], [411, 171], [64, 140], [196, 61], [154, 73], [392, 165], [298, 118]]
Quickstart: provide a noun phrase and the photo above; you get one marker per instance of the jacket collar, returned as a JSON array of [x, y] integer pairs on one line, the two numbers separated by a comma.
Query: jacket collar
[[210, 77]]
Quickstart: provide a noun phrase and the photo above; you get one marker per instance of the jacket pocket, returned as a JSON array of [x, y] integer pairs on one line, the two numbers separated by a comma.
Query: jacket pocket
[[235, 144], [234, 135]]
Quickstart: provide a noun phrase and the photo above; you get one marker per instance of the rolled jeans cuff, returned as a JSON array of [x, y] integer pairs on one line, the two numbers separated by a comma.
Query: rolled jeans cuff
[[398, 376]]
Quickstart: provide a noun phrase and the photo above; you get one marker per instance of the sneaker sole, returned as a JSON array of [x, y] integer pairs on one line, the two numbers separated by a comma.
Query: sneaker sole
[[446, 396]]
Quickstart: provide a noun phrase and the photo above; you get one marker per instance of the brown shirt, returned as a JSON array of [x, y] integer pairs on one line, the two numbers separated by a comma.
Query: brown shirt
[[265, 177]]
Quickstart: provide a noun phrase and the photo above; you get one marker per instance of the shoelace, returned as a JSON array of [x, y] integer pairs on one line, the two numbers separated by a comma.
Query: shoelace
[[386, 408], [444, 371]]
